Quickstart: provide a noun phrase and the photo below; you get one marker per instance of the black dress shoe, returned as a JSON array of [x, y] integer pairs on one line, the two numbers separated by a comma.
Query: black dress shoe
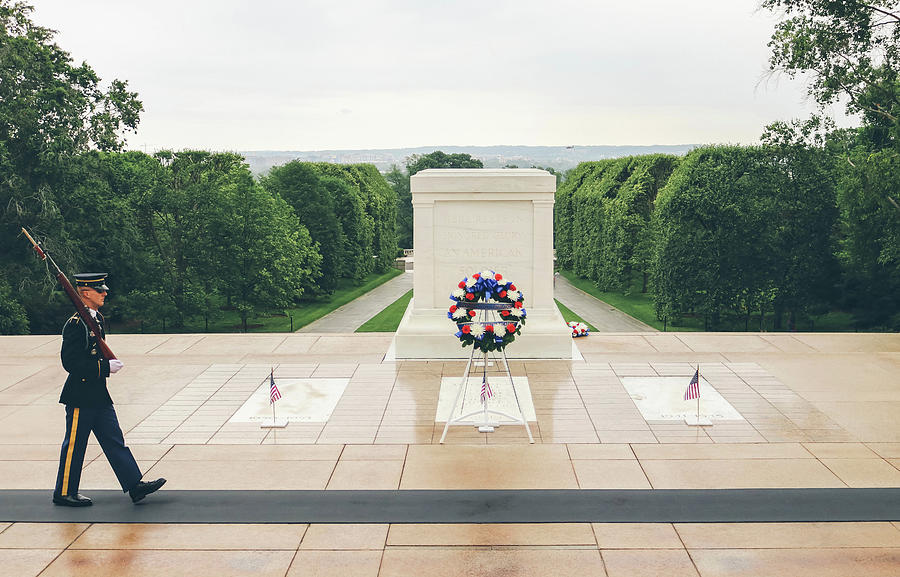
[[78, 500], [143, 489]]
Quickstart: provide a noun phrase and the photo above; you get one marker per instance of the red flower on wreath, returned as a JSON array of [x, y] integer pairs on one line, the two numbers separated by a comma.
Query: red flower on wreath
[[464, 301]]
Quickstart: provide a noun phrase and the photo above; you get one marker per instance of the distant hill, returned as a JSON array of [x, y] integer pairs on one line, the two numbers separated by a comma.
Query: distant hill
[[559, 157]]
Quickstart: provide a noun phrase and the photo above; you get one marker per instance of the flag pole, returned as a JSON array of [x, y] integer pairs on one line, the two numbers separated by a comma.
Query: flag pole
[[272, 402], [698, 392], [485, 386]]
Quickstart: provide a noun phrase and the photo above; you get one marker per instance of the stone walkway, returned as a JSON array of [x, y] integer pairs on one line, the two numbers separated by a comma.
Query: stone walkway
[[604, 317], [819, 413], [352, 315]]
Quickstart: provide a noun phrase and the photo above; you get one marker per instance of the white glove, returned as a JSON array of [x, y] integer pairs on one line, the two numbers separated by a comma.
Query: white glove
[[115, 365]]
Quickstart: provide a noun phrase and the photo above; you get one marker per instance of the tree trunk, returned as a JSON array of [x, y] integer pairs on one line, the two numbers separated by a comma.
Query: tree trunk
[[779, 313], [644, 283]]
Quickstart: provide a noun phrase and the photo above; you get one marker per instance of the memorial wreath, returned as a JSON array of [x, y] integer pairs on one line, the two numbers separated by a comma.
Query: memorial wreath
[[579, 329], [502, 309]]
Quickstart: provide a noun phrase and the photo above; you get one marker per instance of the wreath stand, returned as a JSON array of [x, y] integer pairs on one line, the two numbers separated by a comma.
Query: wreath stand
[[485, 425]]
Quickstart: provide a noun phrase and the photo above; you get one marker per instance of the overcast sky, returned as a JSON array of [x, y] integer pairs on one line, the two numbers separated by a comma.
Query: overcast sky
[[308, 75]]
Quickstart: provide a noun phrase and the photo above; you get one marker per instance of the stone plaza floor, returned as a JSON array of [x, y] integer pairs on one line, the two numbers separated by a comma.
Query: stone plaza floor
[[818, 411]]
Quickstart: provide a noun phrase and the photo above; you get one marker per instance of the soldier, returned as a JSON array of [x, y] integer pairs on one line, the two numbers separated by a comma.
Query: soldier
[[89, 408]]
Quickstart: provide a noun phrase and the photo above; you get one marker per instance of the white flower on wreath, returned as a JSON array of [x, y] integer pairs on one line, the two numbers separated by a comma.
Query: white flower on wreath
[[470, 282], [459, 293], [477, 330], [513, 295], [499, 329], [460, 313], [487, 274]]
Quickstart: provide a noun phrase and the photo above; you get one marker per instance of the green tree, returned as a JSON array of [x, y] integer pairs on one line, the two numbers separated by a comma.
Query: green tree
[[440, 159], [399, 181], [367, 207], [300, 185], [870, 236], [13, 320], [50, 110], [269, 257], [178, 217], [807, 273], [381, 209], [849, 50], [356, 227]]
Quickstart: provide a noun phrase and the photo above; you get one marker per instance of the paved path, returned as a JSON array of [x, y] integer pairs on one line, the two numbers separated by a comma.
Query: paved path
[[352, 315], [802, 434], [604, 317]]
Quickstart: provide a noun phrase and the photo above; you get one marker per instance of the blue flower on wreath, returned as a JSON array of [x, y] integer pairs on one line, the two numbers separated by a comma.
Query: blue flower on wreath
[[491, 333]]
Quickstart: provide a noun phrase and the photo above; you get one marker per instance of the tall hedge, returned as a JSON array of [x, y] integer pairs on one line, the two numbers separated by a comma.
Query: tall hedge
[[868, 190], [744, 230], [603, 213]]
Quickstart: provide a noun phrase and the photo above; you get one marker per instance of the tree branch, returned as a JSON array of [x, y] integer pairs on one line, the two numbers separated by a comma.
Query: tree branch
[[894, 202], [882, 11]]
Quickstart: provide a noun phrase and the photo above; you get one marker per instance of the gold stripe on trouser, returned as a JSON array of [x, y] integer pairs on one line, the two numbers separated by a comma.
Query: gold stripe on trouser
[[65, 487]]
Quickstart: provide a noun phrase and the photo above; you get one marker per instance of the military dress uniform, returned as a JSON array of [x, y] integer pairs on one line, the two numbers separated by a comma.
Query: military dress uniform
[[89, 408]]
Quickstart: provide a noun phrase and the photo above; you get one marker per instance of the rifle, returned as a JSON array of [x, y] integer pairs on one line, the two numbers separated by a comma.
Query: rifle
[[73, 296]]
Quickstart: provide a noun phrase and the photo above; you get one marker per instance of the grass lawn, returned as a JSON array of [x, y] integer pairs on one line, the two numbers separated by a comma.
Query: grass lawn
[[569, 316], [389, 319], [636, 304], [307, 312]]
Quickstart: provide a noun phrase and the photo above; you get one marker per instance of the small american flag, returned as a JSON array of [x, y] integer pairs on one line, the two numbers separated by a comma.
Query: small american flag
[[486, 392], [274, 393], [693, 388]]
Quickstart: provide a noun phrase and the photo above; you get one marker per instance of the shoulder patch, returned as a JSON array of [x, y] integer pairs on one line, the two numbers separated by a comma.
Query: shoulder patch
[[73, 320]]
